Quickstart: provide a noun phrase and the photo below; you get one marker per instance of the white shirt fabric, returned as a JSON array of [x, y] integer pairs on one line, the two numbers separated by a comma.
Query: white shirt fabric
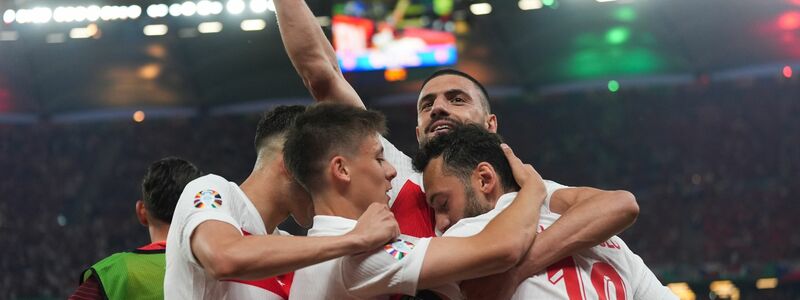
[[589, 272], [210, 197], [392, 269]]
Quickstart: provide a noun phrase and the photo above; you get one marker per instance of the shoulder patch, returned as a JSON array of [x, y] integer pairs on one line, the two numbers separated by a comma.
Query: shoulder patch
[[207, 198], [399, 248]]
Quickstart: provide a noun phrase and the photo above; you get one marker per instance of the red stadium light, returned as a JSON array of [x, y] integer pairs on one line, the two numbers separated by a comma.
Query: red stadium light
[[789, 20], [787, 72]]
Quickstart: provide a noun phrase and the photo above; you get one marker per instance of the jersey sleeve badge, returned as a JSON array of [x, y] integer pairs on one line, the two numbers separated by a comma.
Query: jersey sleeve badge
[[399, 248], [207, 198]]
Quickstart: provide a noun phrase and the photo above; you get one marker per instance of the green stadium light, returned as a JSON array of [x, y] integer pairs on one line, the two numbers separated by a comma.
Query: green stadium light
[[548, 2], [617, 35], [613, 86]]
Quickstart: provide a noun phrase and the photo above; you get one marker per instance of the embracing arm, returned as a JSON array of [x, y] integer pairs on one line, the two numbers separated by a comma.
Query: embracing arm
[[499, 246], [225, 254], [312, 55], [589, 217]]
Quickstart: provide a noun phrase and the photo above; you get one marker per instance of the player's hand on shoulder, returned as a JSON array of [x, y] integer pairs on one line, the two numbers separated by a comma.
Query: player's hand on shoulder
[[524, 173], [376, 226]]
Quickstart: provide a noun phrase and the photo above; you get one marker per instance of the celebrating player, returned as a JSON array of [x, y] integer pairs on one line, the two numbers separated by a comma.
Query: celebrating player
[[335, 152], [447, 98], [472, 158], [224, 234]]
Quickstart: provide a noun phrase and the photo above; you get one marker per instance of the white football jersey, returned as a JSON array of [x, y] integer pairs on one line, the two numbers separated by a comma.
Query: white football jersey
[[211, 197], [378, 274], [607, 271]]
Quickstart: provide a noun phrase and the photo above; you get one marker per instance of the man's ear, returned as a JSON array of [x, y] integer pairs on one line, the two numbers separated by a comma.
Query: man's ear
[[141, 213], [339, 168], [487, 177]]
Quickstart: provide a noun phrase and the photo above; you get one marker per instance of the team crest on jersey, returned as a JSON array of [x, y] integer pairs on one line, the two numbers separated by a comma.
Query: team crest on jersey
[[207, 198], [399, 248]]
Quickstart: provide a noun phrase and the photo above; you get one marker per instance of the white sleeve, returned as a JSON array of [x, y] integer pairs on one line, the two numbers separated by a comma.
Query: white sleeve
[[647, 286], [208, 198], [405, 169], [551, 186], [392, 269]]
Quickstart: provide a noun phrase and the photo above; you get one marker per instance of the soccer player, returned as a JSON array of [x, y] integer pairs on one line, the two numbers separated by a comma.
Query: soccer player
[[447, 98], [223, 234], [335, 152], [469, 182], [139, 274]]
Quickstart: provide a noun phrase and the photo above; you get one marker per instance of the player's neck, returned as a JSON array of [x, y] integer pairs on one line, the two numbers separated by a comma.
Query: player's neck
[[158, 233], [264, 189], [334, 204]]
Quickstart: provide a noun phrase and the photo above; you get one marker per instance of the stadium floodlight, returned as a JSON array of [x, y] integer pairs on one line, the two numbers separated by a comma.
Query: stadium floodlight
[[479, 9], [209, 27], [271, 5], [258, 6], [9, 16], [41, 15], [529, 4], [83, 32], [216, 7], [175, 10], [107, 13], [235, 7], [134, 11], [155, 30], [92, 13], [78, 14], [158, 10], [204, 7], [188, 8], [253, 25]]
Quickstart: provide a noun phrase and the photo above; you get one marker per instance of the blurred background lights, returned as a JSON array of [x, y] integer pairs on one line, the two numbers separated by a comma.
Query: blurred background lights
[[529, 4], [155, 29], [613, 86], [235, 7], [209, 27], [787, 71], [138, 116], [480, 8], [258, 6], [253, 25]]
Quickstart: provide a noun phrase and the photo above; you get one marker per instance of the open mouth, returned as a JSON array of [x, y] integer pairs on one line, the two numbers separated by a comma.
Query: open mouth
[[441, 127]]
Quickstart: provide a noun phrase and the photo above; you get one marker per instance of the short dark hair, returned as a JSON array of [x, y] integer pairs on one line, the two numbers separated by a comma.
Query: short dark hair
[[447, 71], [463, 149], [163, 183], [323, 130], [276, 122]]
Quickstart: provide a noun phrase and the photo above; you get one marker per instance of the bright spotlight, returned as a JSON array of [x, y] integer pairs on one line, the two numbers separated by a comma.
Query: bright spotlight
[[175, 10], [23, 16], [271, 5], [767, 283], [155, 29], [479, 9], [9, 16], [92, 13], [203, 8], [209, 27], [529, 4], [107, 13], [216, 7], [253, 25], [78, 13], [138, 116], [134, 11], [83, 32], [158, 10], [41, 15], [234, 7], [188, 8], [258, 6]]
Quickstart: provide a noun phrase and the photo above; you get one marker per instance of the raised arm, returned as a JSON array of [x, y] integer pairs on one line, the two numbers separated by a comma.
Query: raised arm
[[312, 54], [225, 254], [499, 246], [589, 217]]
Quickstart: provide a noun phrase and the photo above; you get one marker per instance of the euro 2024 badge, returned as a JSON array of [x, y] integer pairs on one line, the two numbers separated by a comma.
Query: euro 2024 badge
[[399, 248], [206, 198]]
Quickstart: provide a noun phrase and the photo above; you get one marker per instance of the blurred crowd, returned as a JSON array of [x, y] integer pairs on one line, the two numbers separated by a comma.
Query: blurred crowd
[[714, 168]]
